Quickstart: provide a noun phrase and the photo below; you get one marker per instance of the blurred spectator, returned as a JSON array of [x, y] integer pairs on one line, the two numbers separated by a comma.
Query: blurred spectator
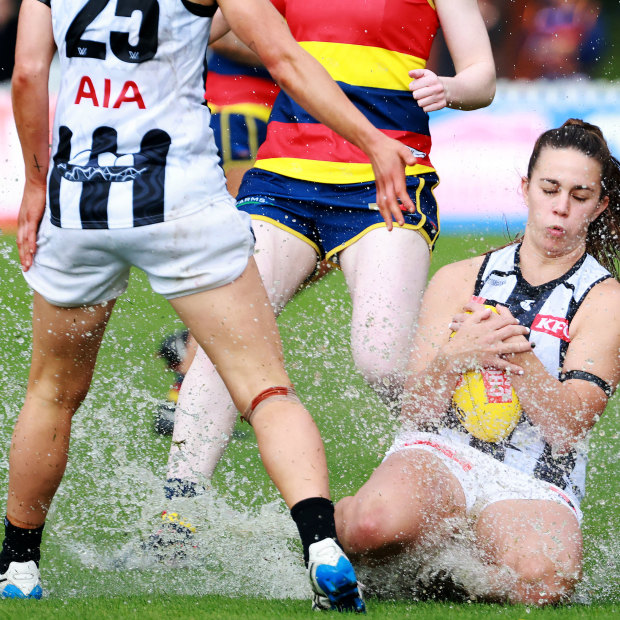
[[537, 38], [503, 22], [562, 38], [8, 33]]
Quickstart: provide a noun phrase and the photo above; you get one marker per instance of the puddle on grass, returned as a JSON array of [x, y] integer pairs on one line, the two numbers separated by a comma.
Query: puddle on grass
[[233, 553], [111, 497]]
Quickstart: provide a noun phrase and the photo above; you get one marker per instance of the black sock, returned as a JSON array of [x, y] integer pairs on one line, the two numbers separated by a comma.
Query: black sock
[[315, 521], [20, 545]]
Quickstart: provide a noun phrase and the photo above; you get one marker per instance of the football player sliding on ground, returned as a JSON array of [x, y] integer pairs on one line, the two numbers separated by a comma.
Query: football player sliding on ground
[[511, 488]]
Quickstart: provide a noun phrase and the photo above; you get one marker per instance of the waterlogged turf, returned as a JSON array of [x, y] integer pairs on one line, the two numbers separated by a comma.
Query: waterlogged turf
[[94, 564]]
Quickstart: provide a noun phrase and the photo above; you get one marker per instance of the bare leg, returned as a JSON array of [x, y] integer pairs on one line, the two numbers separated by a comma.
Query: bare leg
[[204, 421], [190, 351], [236, 327], [403, 503], [284, 262], [539, 542], [205, 414], [234, 176], [386, 273], [64, 351]]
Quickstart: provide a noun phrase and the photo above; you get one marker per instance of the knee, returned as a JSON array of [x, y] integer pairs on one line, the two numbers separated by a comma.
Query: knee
[[362, 533], [541, 580], [62, 399], [368, 529], [381, 372]]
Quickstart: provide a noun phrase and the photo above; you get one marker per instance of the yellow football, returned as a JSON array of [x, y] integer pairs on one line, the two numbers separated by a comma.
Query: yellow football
[[486, 403]]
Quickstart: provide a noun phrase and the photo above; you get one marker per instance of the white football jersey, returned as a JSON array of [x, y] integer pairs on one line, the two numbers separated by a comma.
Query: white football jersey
[[131, 141], [547, 310]]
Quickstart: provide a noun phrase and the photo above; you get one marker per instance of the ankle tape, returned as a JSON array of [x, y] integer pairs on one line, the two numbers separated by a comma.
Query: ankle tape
[[278, 392]]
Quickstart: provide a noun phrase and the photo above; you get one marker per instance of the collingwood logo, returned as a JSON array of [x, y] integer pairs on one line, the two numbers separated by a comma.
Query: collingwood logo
[[113, 174], [101, 166]]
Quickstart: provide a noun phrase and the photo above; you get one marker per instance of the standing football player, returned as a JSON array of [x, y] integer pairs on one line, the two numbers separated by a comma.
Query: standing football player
[[311, 194], [134, 180]]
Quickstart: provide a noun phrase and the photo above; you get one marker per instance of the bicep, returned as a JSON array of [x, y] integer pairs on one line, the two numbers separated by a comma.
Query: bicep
[[592, 361], [441, 301], [259, 25], [35, 44], [464, 32], [595, 346], [219, 27]]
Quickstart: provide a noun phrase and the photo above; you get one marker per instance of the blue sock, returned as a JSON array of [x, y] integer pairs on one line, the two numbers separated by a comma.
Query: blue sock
[[176, 487]]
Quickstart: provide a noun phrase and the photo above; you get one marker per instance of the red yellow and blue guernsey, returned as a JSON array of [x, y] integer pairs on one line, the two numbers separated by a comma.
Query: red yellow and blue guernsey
[[240, 98], [232, 83], [368, 51], [308, 180]]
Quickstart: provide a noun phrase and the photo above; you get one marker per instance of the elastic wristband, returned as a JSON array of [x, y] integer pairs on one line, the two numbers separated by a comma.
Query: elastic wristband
[[588, 376], [279, 392]]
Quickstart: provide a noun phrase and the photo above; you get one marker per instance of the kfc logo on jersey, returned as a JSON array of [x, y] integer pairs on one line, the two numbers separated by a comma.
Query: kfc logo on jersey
[[551, 325]]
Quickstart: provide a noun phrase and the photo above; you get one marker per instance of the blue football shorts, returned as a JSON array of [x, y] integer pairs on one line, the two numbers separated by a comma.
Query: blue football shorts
[[332, 217], [238, 135]]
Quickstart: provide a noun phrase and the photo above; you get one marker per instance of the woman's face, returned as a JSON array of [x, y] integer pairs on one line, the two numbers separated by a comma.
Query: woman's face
[[563, 197]]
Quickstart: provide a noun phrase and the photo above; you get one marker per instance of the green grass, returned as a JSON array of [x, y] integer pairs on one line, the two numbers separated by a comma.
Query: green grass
[[111, 494], [224, 608]]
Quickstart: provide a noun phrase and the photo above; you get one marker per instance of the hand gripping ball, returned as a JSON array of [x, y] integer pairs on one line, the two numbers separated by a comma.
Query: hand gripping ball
[[486, 404]]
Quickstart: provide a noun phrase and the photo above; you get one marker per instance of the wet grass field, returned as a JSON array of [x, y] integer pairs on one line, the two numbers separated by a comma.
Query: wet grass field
[[248, 562]]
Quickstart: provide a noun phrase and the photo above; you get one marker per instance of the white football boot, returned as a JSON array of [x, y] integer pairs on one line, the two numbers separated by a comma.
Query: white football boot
[[333, 579], [21, 580]]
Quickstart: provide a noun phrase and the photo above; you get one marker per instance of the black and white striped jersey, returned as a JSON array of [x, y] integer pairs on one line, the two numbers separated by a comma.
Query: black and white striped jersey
[[547, 310], [131, 142]]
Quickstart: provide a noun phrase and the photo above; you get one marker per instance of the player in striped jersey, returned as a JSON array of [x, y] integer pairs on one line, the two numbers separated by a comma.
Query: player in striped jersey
[[311, 194], [240, 93], [134, 180], [556, 290]]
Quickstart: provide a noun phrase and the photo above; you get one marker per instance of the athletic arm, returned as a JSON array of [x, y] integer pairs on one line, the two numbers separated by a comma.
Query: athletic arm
[[261, 27], [437, 360], [566, 410], [219, 28], [34, 51], [473, 85], [232, 48]]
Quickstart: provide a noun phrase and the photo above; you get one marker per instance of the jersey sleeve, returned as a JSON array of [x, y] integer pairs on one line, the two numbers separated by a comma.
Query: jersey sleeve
[[46, 2]]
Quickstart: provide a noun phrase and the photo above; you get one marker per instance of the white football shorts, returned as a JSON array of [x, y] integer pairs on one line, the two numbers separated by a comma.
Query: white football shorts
[[484, 480], [190, 254]]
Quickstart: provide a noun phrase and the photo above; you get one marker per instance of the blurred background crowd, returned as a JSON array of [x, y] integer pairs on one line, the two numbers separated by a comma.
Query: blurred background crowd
[[548, 39], [8, 31], [531, 39]]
